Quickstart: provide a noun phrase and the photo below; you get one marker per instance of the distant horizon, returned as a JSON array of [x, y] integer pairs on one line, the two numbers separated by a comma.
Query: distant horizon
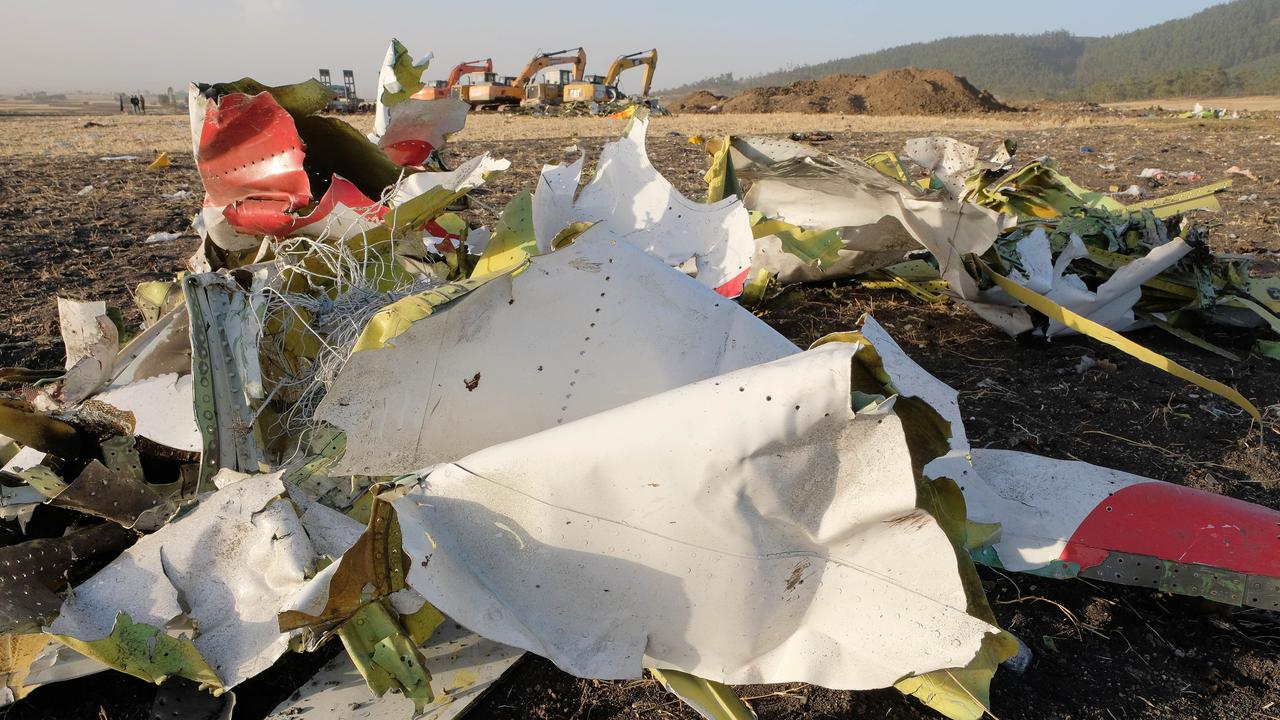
[[128, 46]]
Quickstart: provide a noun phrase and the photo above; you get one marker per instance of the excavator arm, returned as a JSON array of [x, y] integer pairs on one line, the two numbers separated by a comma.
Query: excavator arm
[[465, 68], [625, 62], [546, 60]]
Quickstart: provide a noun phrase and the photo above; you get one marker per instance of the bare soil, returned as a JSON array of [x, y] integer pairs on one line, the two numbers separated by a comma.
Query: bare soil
[[699, 101], [904, 91], [1102, 652]]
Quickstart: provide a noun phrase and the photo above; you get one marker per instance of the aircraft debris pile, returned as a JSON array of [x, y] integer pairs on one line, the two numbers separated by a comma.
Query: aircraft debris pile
[[1022, 245], [356, 415]]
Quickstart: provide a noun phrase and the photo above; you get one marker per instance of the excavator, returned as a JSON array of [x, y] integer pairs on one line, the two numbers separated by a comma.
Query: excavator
[[605, 89], [437, 89], [511, 90]]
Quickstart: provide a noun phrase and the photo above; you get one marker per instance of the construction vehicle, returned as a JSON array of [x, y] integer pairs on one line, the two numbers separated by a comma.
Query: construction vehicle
[[605, 89], [437, 89], [511, 90], [547, 92]]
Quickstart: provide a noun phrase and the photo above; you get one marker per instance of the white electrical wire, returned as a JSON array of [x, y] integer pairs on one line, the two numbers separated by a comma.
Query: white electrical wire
[[346, 285]]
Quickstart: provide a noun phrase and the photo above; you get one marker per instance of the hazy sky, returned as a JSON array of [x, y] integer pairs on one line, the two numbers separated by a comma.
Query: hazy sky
[[115, 45]]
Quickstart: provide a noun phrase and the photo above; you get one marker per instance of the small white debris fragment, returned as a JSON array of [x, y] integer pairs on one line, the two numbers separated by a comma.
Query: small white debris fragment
[[163, 237]]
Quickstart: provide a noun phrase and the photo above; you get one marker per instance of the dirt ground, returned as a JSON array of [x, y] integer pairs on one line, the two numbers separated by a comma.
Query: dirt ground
[[1101, 652], [901, 91]]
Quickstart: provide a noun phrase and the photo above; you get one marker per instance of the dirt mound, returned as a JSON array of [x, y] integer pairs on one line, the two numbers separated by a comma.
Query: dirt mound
[[925, 92], [907, 91], [700, 101]]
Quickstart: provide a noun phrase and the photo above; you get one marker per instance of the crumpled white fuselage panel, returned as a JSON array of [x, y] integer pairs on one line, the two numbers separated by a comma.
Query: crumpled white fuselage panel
[[638, 472], [584, 329], [228, 565], [629, 197], [747, 528]]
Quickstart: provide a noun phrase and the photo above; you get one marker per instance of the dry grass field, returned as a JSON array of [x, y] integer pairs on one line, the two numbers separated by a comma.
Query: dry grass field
[[1101, 652]]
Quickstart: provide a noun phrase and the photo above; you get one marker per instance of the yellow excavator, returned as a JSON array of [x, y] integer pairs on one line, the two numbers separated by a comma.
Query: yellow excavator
[[511, 90], [605, 89]]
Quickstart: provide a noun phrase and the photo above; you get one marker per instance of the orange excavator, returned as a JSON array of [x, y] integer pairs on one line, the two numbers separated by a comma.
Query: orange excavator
[[437, 89], [511, 90], [605, 89]]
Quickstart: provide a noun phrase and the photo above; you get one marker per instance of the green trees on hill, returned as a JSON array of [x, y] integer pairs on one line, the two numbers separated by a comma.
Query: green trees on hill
[[1221, 37], [1230, 48], [1204, 83]]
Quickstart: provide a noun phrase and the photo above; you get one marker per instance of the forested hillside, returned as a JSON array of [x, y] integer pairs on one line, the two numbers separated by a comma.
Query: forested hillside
[[1226, 49]]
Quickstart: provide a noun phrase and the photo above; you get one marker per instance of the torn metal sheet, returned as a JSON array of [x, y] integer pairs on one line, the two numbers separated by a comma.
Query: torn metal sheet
[[553, 200], [829, 537], [120, 497], [416, 128], [815, 191], [784, 172], [25, 458], [341, 212], [8, 448], [463, 667], [265, 156], [647, 553], [91, 341], [793, 254], [1110, 305], [513, 241], [299, 99], [408, 405], [35, 571], [162, 409], [371, 569], [822, 193], [19, 502], [332, 533], [17, 653], [630, 198], [1037, 190], [1121, 264], [949, 160], [163, 348], [1204, 197], [224, 569], [1084, 325], [155, 298], [398, 79], [33, 660], [250, 153], [471, 174], [211, 226], [1063, 518], [21, 421]]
